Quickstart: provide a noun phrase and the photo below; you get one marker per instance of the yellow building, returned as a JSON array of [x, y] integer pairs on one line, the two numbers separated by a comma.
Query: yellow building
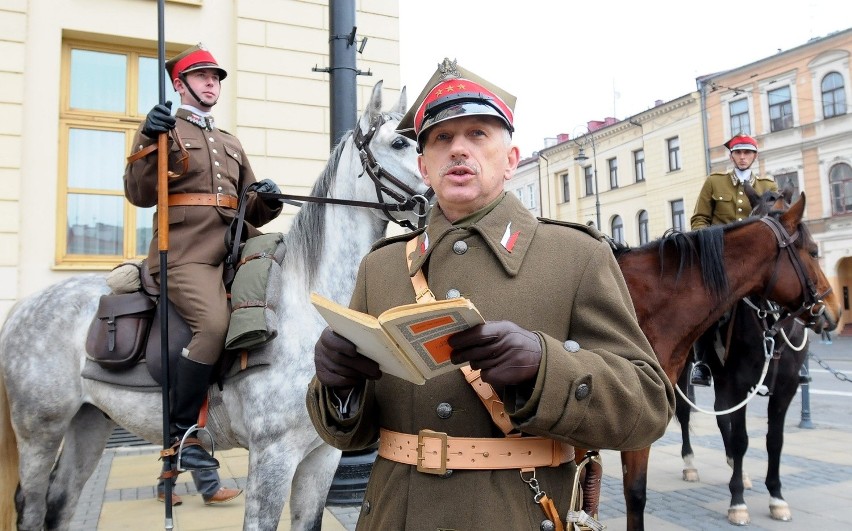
[[77, 78]]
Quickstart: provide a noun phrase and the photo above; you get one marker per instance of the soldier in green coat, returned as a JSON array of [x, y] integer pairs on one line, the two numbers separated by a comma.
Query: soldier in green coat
[[561, 359], [723, 200]]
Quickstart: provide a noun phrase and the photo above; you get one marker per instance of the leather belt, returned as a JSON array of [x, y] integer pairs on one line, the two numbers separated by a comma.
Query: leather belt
[[218, 200], [434, 452]]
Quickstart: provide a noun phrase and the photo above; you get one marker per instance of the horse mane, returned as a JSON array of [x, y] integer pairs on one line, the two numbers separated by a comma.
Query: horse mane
[[707, 245], [304, 239]]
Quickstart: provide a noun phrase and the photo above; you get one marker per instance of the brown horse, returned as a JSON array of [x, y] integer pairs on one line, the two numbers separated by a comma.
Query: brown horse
[[683, 282]]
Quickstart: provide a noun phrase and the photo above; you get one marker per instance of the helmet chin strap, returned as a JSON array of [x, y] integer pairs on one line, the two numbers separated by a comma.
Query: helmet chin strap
[[182, 78]]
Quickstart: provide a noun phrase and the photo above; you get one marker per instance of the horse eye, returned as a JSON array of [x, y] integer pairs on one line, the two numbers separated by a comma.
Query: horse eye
[[399, 143]]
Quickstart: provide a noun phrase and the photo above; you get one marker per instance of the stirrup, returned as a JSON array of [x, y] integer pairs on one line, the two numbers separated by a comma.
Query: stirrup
[[192, 429]]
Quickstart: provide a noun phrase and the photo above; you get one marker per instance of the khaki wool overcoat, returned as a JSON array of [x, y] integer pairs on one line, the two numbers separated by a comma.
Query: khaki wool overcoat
[[602, 389], [722, 199]]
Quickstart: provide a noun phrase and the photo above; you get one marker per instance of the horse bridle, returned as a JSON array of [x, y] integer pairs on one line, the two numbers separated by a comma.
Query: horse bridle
[[379, 175], [813, 305]]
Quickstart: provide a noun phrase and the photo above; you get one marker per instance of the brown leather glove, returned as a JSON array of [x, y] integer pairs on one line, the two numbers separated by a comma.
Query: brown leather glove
[[339, 365], [506, 353]]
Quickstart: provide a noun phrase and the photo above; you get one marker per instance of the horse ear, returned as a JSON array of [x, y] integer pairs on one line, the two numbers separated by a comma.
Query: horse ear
[[401, 105], [793, 216], [787, 192], [374, 107], [751, 193]]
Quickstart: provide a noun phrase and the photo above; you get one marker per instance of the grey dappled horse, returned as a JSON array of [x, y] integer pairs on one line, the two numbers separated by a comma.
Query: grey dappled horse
[[62, 421]]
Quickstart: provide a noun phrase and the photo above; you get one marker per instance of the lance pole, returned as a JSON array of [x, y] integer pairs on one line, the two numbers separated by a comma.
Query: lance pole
[[163, 239]]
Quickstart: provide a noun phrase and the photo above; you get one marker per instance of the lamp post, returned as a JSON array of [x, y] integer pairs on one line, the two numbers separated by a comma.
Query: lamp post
[[581, 157]]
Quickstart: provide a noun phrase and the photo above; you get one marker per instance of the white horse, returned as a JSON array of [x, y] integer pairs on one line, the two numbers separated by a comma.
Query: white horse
[[62, 421]]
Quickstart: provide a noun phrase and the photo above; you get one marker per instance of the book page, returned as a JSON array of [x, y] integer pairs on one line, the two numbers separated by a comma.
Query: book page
[[369, 338], [423, 331]]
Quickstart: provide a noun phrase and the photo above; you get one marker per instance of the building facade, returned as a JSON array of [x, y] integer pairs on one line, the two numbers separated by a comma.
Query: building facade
[[78, 76]]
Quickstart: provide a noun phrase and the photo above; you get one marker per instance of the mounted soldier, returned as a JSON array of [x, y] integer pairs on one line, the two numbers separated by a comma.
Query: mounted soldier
[[723, 200], [208, 171]]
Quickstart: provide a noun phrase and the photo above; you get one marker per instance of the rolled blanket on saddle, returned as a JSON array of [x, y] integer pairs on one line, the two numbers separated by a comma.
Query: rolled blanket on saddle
[[256, 292]]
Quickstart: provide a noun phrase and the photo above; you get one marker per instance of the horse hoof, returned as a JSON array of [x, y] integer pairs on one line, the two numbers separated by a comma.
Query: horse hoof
[[746, 481], [738, 515], [691, 475], [780, 510]]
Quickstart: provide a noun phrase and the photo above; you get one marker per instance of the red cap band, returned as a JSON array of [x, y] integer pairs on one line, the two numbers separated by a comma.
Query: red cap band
[[454, 89], [198, 56]]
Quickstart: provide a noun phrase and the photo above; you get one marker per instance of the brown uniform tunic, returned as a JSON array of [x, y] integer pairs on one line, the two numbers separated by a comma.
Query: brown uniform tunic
[[722, 199], [599, 384], [217, 165]]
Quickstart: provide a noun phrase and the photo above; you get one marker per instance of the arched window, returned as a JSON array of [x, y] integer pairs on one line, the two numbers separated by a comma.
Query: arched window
[[840, 177], [618, 229], [833, 95], [643, 227]]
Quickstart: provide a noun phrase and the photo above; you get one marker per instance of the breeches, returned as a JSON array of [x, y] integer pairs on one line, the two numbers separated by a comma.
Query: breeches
[[197, 293]]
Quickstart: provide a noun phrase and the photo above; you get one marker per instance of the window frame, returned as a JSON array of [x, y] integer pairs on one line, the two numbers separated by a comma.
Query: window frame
[[678, 214], [643, 223], [741, 121], [566, 187], [97, 120], [673, 152], [639, 165], [837, 93], [612, 164], [841, 202], [617, 228], [588, 177], [784, 108]]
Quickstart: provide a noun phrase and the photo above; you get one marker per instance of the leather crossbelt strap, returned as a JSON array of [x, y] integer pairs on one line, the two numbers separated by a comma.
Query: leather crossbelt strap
[[218, 200], [435, 452]]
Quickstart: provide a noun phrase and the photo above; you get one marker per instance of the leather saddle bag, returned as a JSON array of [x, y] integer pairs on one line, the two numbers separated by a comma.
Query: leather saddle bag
[[119, 331]]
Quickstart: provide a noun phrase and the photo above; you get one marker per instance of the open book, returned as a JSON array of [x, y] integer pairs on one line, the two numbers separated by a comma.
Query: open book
[[409, 341]]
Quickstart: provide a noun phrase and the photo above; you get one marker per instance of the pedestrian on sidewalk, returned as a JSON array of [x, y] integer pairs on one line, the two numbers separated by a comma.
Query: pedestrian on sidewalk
[[207, 483]]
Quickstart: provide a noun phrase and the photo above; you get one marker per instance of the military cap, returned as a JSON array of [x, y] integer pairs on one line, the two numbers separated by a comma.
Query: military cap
[[454, 92], [741, 141], [191, 59]]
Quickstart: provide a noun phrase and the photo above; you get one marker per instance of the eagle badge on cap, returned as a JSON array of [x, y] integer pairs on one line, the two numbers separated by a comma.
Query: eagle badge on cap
[[448, 69]]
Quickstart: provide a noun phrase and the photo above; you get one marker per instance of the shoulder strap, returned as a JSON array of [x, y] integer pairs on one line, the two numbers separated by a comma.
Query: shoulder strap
[[483, 390]]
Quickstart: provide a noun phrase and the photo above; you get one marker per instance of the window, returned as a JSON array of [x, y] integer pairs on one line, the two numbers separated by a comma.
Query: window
[[589, 178], [639, 164], [520, 193], [673, 145], [788, 180], [739, 117], [617, 229], [613, 173], [840, 177], [833, 95], [780, 109], [109, 91], [566, 190], [643, 227], [531, 203], [678, 217]]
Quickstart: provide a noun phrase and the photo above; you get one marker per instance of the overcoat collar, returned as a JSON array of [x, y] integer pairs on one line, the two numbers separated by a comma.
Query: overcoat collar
[[735, 180], [507, 229]]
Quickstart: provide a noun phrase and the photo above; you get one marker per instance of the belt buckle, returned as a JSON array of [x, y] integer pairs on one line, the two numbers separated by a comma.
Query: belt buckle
[[219, 197], [429, 434]]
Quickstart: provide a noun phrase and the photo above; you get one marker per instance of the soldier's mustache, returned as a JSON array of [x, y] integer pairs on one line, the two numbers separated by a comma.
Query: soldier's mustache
[[447, 168]]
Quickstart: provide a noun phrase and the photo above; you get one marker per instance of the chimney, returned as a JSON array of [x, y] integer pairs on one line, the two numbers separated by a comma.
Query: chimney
[[563, 137]]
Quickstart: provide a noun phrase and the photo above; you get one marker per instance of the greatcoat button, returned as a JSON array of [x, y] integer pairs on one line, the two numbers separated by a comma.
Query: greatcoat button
[[444, 410], [453, 293], [571, 346], [219, 188], [211, 139], [214, 151], [547, 525], [460, 247], [365, 507], [582, 391]]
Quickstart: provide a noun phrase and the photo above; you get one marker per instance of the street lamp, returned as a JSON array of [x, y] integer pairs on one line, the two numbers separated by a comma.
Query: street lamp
[[581, 157]]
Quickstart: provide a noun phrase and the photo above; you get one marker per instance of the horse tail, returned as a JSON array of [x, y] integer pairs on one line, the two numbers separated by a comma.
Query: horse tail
[[8, 462]]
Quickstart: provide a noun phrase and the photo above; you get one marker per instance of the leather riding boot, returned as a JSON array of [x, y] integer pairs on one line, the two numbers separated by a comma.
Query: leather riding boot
[[702, 349], [192, 380]]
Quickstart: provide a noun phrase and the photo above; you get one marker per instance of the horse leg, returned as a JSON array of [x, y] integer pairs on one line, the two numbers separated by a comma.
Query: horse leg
[[682, 412], [310, 487], [82, 448], [271, 469], [635, 467], [779, 402], [738, 510]]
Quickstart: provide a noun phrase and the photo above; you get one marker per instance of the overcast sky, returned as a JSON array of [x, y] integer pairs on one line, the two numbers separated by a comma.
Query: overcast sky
[[569, 63]]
